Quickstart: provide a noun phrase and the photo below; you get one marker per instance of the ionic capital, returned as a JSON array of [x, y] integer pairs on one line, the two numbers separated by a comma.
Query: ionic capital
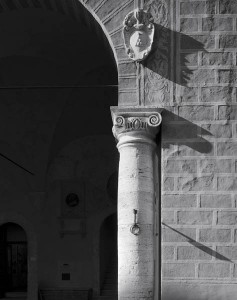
[[132, 124]]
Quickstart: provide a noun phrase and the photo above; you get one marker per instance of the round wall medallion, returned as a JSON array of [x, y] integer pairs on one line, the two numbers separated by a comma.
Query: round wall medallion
[[72, 200]]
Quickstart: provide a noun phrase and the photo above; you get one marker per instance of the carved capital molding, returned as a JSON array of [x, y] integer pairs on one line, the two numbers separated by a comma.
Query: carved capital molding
[[140, 123]]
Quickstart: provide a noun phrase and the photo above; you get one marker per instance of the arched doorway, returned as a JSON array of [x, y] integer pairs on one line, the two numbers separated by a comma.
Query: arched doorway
[[108, 257], [13, 260]]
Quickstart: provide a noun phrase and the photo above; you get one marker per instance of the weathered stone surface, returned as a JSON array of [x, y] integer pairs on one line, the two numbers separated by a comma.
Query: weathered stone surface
[[200, 148], [217, 130], [197, 112], [228, 41], [204, 183], [199, 42], [189, 59], [227, 112], [167, 217], [168, 184], [167, 253], [218, 94], [227, 76], [200, 76], [228, 7], [227, 148], [217, 24], [201, 289], [215, 166], [193, 253], [230, 252], [213, 235], [218, 59], [227, 217], [187, 94], [127, 68], [218, 270], [215, 201], [178, 270], [177, 166], [180, 235], [178, 130], [113, 20], [227, 183], [194, 217], [195, 7], [176, 200], [188, 24]]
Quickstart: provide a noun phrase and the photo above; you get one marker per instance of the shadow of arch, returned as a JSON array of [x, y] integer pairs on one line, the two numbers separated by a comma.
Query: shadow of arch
[[32, 282]]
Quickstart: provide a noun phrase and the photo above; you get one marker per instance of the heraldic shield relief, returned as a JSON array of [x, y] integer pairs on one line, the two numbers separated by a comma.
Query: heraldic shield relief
[[138, 34]]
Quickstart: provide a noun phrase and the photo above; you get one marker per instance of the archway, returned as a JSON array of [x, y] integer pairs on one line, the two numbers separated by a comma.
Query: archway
[[108, 256], [13, 260]]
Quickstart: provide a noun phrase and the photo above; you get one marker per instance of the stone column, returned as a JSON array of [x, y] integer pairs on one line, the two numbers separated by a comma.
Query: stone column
[[135, 130]]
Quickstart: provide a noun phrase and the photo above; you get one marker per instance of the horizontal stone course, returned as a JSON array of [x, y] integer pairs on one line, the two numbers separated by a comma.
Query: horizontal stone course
[[229, 252], [227, 112], [227, 148], [200, 42], [179, 131], [189, 59], [178, 166], [168, 184], [188, 94], [228, 41], [227, 217], [227, 76], [193, 253], [228, 7], [217, 58], [178, 270], [215, 201], [212, 235], [194, 217], [197, 112], [216, 130], [179, 201], [219, 270], [167, 217], [217, 24], [199, 76], [167, 252], [204, 183], [188, 24], [215, 166], [195, 7], [227, 183], [200, 148], [179, 235]]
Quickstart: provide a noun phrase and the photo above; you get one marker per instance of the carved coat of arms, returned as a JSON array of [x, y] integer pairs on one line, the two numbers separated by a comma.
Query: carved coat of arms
[[138, 34]]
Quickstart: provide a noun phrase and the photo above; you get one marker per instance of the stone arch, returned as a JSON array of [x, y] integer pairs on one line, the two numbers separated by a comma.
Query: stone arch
[[32, 283]]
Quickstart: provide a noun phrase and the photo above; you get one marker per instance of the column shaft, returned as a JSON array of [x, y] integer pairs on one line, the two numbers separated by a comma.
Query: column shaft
[[135, 130]]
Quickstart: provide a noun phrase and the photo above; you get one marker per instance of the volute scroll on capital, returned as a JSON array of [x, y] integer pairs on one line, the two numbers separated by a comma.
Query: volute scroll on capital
[[136, 122]]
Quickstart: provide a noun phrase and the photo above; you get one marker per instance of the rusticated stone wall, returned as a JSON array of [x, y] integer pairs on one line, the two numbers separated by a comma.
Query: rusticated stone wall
[[199, 150]]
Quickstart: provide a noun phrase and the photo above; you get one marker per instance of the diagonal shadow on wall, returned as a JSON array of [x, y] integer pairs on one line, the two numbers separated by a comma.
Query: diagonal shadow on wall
[[179, 131], [200, 246]]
